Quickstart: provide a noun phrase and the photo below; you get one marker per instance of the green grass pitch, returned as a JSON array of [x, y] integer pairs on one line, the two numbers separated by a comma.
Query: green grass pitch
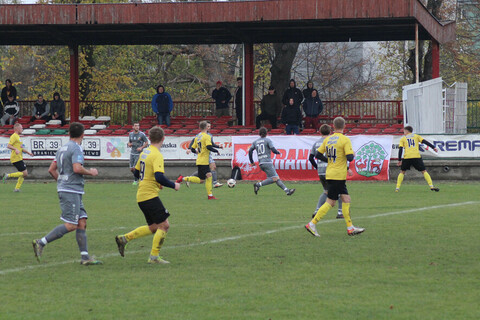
[[248, 257]]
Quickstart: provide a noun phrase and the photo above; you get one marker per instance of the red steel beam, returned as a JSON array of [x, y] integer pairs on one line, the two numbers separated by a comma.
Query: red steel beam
[[249, 71], [435, 59]]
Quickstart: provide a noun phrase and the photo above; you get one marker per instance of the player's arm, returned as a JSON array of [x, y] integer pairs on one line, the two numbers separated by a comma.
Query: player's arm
[[53, 170], [311, 158], [164, 181], [250, 155], [27, 152], [78, 168], [212, 149], [429, 144], [274, 150], [11, 147]]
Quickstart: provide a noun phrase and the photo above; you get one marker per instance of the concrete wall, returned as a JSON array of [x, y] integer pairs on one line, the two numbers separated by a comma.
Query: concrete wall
[[118, 170]]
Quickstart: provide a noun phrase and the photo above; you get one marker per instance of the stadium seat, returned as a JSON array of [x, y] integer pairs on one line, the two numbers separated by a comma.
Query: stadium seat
[[397, 126], [365, 125], [229, 131], [390, 131], [381, 125], [369, 117], [53, 122], [210, 118], [120, 132], [324, 117], [87, 118], [104, 119], [38, 126], [168, 131], [90, 132], [398, 118], [182, 132], [42, 132], [9, 132], [29, 131], [244, 131], [357, 131], [308, 131], [275, 131], [105, 132], [99, 127], [59, 132], [53, 126], [354, 117], [215, 131], [176, 126], [39, 121], [114, 127], [373, 131]]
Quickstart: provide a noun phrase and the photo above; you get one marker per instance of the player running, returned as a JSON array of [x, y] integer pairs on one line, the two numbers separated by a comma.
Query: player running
[[264, 147], [150, 171], [202, 146], [338, 149], [16, 157], [322, 169], [137, 141], [410, 142], [68, 170]]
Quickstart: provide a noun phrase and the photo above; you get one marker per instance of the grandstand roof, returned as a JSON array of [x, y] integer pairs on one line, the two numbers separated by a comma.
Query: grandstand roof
[[255, 21]]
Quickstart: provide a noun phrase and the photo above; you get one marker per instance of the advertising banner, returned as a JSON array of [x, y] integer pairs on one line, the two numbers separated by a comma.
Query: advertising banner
[[372, 156]]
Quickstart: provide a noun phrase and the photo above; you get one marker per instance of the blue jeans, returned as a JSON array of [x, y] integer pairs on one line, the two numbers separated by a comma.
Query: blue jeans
[[163, 118], [292, 129]]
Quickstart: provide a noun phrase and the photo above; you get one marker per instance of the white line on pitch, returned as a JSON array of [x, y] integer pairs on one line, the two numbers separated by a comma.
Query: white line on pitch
[[220, 240]]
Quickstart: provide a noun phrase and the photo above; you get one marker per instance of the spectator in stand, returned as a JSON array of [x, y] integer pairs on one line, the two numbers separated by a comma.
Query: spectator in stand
[[270, 107], [41, 109], [294, 93], [307, 92], [312, 106], [239, 101], [7, 90], [57, 108], [292, 117], [222, 97], [162, 105], [11, 111]]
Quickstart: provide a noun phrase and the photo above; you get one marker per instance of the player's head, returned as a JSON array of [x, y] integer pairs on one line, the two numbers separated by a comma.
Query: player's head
[[18, 128], [203, 125], [56, 96], [262, 132], [76, 130], [10, 97], [156, 135], [325, 129], [239, 81], [339, 123], [40, 98], [136, 126], [408, 129], [160, 89], [209, 125], [8, 83]]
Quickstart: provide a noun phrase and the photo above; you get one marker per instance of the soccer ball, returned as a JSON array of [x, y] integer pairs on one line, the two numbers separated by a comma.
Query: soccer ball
[[231, 183]]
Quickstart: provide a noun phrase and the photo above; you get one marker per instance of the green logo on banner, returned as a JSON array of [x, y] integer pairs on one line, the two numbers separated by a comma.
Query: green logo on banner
[[369, 159]]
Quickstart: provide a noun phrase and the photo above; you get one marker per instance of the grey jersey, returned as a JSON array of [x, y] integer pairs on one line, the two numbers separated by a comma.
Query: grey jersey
[[264, 149], [321, 166], [137, 140], [68, 180]]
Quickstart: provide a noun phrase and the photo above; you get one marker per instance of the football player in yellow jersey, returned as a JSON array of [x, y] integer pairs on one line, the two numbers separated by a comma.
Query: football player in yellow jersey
[[410, 143], [338, 150], [16, 157], [150, 171], [202, 146]]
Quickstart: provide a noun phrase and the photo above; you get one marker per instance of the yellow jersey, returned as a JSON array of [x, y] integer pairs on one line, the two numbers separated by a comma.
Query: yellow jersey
[[336, 148], [149, 162], [15, 141], [410, 144], [200, 143]]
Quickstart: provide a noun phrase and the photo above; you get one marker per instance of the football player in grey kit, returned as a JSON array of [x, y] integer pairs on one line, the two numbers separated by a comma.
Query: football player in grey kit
[[137, 140], [322, 171], [68, 170], [264, 147]]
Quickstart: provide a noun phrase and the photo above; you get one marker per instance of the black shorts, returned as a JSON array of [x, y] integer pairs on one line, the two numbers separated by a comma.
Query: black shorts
[[417, 163], [336, 188], [154, 211], [203, 169], [323, 180], [20, 165]]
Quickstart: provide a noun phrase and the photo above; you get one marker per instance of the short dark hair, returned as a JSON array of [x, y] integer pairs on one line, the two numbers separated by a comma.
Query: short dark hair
[[325, 129], [262, 132], [202, 125], [409, 129], [156, 134], [339, 123], [76, 130], [239, 78]]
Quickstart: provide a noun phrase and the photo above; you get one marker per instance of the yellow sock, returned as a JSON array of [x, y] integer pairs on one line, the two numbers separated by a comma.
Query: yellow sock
[[19, 181], [400, 180], [346, 214], [428, 179], [209, 186], [192, 179], [15, 175], [157, 243], [322, 211], [138, 233]]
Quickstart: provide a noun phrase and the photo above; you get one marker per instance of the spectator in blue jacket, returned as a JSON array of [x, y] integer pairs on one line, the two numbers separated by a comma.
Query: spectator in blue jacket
[[312, 106], [162, 105]]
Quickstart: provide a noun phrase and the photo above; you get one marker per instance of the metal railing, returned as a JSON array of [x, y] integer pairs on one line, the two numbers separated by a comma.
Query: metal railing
[[127, 112], [473, 116]]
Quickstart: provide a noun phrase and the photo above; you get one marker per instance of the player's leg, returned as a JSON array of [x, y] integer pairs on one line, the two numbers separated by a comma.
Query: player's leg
[[406, 163], [193, 179], [420, 166], [70, 215], [323, 196], [322, 211], [208, 183], [213, 169], [157, 243], [351, 229], [158, 224], [132, 164]]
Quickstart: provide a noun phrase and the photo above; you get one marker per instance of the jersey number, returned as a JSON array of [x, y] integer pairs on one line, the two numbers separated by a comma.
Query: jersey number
[[261, 149], [199, 147], [411, 143], [142, 170], [331, 154]]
